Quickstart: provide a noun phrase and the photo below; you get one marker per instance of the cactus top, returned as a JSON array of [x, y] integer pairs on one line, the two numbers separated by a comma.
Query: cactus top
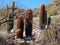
[[42, 10], [28, 14]]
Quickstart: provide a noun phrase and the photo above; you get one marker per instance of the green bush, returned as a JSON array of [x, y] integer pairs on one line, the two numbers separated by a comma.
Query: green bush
[[58, 3], [51, 11]]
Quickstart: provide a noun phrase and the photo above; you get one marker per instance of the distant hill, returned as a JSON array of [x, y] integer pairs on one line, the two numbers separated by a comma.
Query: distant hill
[[53, 10], [54, 7]]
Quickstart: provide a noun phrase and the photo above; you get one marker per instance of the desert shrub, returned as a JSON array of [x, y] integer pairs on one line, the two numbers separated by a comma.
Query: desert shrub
[[50, 33], [51, 11], [57, 3]]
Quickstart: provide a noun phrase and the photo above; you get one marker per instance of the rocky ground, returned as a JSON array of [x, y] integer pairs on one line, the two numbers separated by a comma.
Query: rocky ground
[[50, 36]]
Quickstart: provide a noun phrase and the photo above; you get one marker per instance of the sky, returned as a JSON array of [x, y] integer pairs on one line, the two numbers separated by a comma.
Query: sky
[[24, 3]]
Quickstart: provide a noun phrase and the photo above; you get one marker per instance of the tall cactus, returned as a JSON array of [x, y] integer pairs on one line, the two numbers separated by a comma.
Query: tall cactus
[[42, 15], [11, 17], [13, 8], [28, 16], [13, 5]]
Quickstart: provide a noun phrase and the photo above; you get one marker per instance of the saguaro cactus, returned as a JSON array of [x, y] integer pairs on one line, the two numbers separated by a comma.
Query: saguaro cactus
[[28, 16], [13, 6], [42, 15], [11, 17]]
